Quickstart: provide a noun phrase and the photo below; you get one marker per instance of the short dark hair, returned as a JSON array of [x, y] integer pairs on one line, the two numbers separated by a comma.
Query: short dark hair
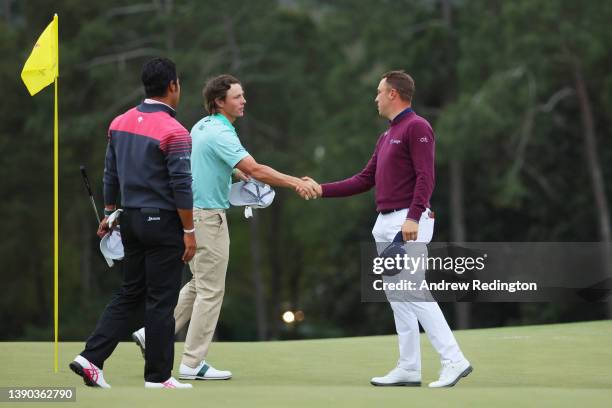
[[216, 88], [157, 74], [402, 83]]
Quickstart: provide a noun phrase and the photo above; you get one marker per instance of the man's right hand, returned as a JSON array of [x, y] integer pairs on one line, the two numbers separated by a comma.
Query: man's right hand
[[190, 246], [306, 189], [316, 187]]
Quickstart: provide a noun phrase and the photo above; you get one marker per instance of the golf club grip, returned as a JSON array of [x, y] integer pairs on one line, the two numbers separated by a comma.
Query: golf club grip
[[91, 197], [93, 204], [86, 180]]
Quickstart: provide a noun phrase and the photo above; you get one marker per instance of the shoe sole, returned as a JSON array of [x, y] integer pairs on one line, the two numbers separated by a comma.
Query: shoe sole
[[465, 373], [138, 342], [155, 387], [78, 370], [397, 384], [195, 377]]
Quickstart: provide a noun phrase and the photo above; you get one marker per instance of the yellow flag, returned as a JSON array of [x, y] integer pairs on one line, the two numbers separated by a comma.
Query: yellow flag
[[42, 66]]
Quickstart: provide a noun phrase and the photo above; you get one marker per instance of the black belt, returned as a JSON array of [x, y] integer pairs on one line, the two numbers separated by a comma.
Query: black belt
[[390, 211]]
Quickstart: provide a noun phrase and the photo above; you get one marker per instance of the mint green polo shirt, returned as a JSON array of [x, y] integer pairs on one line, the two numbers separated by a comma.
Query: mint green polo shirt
[[215, 152]]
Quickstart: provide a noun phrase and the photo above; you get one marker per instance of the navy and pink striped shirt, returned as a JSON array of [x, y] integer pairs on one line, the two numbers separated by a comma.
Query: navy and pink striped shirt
[[401, 168], [148, 159]]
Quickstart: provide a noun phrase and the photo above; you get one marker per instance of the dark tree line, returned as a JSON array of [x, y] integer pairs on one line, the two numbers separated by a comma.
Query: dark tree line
[[519, 94]]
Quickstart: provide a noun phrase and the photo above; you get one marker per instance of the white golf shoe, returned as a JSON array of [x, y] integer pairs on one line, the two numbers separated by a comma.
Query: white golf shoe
[[92, 375], [139, 338], [169, 383], [203, 372], [398, 377], [451, 373]]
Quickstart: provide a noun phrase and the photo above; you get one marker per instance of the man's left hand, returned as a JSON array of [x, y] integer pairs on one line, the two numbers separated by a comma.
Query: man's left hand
[[103, 228], [410, 230], [240, 175]]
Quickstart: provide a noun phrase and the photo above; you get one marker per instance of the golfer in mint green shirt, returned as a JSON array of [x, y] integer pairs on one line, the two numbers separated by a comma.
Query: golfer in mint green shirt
[[216, 150], [216, 154]]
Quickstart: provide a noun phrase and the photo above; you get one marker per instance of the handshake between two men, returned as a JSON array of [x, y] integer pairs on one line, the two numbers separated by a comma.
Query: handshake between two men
[[305, 187], [308, 189]]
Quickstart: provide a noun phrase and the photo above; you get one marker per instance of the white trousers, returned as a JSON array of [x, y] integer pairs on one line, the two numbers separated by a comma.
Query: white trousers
[[407, 314]]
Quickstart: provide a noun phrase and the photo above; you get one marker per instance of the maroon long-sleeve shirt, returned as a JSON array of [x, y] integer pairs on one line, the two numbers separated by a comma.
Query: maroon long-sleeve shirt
[[401, 168]]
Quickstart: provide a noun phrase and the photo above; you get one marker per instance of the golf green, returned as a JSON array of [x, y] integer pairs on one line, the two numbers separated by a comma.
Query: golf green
[[549, 365]]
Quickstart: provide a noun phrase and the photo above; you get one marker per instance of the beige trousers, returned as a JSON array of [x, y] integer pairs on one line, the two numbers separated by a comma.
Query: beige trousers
[[200, 299]]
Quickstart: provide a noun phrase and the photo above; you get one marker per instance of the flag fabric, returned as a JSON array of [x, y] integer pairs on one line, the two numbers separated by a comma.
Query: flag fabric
[[42, 66]]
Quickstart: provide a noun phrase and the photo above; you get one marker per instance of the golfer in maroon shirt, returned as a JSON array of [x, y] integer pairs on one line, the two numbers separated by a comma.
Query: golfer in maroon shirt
[[402, 169]]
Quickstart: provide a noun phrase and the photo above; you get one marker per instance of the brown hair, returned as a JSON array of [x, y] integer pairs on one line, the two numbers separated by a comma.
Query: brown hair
[[402, 83], [216, 88]]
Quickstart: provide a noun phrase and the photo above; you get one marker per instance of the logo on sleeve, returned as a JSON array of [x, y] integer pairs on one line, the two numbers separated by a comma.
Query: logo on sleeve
[[395, 141], [424, 140]]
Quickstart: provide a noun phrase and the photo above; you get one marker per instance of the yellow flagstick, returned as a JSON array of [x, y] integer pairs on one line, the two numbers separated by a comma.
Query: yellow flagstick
[[56, 225], [56, 204], [39, 71]]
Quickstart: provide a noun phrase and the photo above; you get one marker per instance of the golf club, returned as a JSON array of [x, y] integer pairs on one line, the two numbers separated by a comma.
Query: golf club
[[93, 204], [88, 187]]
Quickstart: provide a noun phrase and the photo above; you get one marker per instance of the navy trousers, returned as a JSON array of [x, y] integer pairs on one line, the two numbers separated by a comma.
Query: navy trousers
[[152, 267]]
